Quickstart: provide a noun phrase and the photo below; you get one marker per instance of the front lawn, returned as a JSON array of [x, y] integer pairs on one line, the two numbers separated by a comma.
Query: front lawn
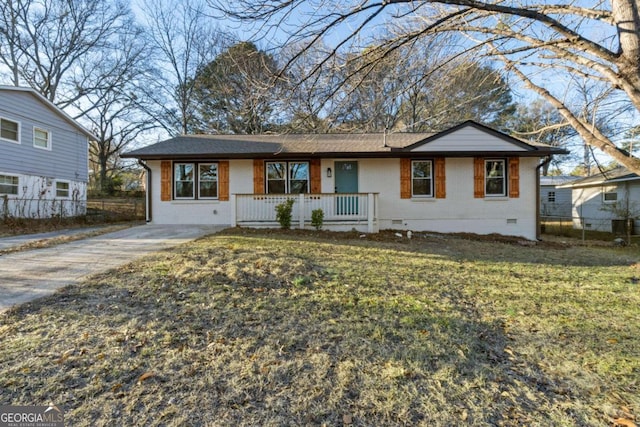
[[271, 328]]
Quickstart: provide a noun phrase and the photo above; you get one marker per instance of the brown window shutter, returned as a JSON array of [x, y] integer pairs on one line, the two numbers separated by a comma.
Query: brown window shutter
[[514, 177], [316, 176], [405, 178], [478, 177], [258, 177], [441, 183], [223, 180], [165, 180]]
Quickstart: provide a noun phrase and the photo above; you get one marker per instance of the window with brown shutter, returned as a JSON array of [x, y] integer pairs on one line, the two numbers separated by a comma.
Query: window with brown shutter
[[258, 177], [478, 177], [405, 178], [165, 181], [514, 177], [223, 180], [441, 185]]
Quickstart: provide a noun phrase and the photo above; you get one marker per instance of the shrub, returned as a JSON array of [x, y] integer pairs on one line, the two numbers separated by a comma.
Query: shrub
[[317, 218], [283, 213]]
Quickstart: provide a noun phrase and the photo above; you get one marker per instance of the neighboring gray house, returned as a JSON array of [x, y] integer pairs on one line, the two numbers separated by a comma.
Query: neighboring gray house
[[555, 201], [606, 200], [44, 157]]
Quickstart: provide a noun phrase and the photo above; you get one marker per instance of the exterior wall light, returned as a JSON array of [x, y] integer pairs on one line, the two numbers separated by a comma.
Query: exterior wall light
[[328, 172]]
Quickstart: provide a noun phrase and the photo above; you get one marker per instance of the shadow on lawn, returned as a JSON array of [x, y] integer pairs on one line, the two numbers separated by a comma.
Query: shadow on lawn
[[466, 247], [225, 346]]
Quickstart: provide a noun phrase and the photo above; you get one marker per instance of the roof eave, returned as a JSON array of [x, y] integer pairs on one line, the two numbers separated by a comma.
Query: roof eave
[[372, 154]]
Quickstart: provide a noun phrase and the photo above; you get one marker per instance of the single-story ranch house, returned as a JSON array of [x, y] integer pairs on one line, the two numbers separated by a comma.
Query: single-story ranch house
[[469, 178], [604, 202]]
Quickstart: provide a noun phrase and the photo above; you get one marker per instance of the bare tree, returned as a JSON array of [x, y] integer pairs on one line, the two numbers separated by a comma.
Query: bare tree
[[118, 113], [184, 40], [57, 46], [539, 43]]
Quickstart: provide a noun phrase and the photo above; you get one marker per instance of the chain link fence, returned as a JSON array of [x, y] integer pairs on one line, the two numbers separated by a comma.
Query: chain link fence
[[94, 210]]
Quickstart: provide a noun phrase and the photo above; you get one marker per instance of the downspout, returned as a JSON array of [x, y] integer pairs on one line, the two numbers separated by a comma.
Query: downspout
[[148, 190], [546, 161]]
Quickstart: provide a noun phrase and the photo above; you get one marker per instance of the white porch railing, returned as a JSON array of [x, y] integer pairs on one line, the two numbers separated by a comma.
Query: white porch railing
[[340, 208]]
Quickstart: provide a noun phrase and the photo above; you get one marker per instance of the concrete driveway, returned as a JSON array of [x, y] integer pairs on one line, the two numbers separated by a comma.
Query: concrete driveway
[[27, 275]]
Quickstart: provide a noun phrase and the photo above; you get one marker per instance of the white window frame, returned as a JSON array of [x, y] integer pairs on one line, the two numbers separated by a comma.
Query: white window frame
[[193, 181], [17, 185], [430, 178], [217, 180], [16, 141], [504, 178], [48, 143], [68, 189], [287, 178], [609, 190]]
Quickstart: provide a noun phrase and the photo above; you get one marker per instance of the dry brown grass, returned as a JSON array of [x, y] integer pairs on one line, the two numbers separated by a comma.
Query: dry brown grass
[[297, 328]]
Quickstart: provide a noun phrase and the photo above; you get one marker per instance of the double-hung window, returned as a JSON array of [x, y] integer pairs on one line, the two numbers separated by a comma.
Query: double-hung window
[[41, 139], [287, 177], [184, 180], [421, 178], [208, 181], [195, 180], [62, 189], [495, 177], [8, 184], [9, 130]]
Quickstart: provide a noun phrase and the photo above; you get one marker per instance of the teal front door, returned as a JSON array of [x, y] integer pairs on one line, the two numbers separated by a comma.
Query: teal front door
[[346, 181]]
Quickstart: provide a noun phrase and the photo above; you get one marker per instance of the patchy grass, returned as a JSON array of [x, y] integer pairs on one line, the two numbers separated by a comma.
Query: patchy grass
[[296, 328]]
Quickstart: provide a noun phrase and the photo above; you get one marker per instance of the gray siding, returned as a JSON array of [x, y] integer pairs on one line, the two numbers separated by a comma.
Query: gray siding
[[68, 158], [562, 205]]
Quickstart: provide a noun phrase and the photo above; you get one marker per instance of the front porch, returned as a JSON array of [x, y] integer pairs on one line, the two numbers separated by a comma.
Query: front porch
[[343, 211]]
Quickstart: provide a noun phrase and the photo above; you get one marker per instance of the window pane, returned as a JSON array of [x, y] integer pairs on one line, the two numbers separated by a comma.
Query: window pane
[[495, 186], [8, 184], [276, 171], [275, 187], [421, 187], [551, 196], [8, 129], [610, 197], [62, 189], [422, 169], [41, 138], [208, 180], [184, 180], [421, 174], [495, 178], [299, 171], [208, 189], [184, 172], [297, 187], [184, 189], [276, 177], [298, 177]]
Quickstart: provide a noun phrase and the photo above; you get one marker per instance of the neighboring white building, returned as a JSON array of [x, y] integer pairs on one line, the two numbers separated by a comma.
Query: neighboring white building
[[555, 198], [44, 157], [469, 178], [605, 201]]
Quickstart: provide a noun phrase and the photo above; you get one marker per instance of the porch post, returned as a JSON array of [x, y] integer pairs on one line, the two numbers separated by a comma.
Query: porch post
[[371, 206], [301, 210], [232, 200]]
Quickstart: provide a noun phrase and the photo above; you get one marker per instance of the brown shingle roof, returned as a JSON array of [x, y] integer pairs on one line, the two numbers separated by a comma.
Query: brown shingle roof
[[290, 145]]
